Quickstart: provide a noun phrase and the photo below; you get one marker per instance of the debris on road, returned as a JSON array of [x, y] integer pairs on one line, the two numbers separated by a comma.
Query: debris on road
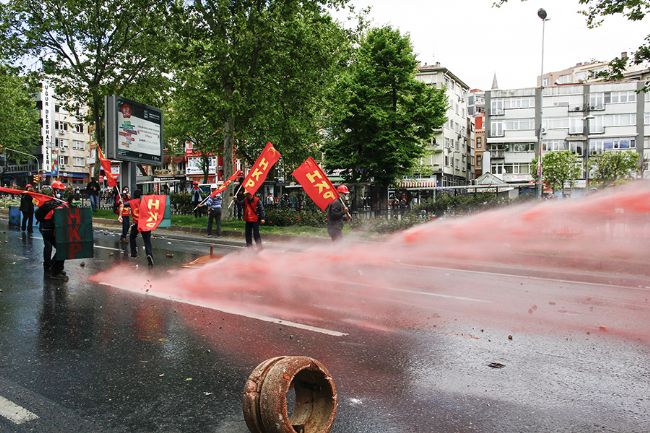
[[496, 365], [265, 396]]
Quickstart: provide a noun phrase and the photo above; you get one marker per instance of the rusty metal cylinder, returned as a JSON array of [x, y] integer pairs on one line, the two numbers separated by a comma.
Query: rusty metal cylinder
[[266, 401]]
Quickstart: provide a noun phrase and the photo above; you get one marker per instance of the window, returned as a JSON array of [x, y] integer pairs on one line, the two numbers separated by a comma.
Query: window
[[577, 148], [608, 144], [519, 124], [79, 127], [597, 125], [575, 125], [496, 129], [78, 162], [497, 168], [57, 108], [545, 82], [520, 147], [554, 145], [556, 123], [60, 125], [596, 101], [77, 145], [620, 97], [620, 119], [646, 118], [479, 160], [63, 160], [446, 160], [497, 108], [479, 142]]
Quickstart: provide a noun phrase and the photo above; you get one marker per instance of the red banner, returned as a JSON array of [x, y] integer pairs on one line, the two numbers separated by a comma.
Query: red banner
[[261, 168], [36, 196], [151, 212], [315, 183], [106, 165], [225, 185]]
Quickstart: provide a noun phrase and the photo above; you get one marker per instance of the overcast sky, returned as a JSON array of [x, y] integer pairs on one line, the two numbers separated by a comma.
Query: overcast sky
[[475, 40]]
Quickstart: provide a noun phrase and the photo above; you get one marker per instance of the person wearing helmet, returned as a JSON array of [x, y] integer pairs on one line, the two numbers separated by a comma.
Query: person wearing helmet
[[337, 213], [214, 210], [27, 209], [45, 215]]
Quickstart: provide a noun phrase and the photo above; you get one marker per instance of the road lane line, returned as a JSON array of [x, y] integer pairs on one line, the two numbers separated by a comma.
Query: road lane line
[[395, 289], [236, 312], [499, 274], [107, 248], [14, 413]]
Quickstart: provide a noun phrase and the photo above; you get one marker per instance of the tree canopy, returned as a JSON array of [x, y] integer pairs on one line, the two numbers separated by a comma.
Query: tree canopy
[[559, 169], [611, 166], [388, 115], [19, 129]]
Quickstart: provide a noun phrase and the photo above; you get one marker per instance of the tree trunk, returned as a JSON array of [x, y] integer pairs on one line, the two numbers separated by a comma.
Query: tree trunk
[[228, 160]]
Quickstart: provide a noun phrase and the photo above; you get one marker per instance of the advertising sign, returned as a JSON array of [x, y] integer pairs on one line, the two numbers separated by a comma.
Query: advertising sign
[[194, 165], [134, 131]]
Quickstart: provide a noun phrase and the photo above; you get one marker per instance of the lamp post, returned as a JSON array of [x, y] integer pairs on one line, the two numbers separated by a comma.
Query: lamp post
[[38, 169], [586, 119], [541, 13]]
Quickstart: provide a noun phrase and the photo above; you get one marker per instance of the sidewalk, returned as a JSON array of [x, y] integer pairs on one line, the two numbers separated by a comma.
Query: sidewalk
[[234, 237]]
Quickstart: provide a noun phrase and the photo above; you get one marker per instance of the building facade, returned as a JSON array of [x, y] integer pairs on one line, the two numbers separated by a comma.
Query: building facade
[[448, 156], [586, 119], [64, 150]]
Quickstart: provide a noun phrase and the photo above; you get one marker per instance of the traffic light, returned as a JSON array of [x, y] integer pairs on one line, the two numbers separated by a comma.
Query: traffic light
[[37, 178]]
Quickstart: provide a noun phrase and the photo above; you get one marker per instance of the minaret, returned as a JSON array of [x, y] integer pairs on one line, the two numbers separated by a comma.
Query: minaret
[[495, 85]]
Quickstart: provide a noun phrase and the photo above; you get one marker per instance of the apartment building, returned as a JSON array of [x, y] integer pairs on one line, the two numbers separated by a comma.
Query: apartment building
[[448, 160], [586, 119], [65, 139]]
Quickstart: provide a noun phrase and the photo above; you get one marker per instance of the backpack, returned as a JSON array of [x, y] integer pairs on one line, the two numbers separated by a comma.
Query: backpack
[[43, 210]]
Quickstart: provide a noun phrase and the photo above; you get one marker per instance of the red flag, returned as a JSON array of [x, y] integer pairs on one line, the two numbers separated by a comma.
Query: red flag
[[38, 197], [315, 183], [225, 185], [151, 212], [106, 165], [258, 172]]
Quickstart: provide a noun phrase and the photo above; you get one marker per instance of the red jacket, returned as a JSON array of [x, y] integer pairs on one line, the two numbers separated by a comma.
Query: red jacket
[[253, 210]]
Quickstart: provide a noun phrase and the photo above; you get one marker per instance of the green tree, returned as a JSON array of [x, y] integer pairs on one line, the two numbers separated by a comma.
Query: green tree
[[90, 48], [608, 167], [264, 72], [633, 10], [559, 169], [389, 115], [19, 129]]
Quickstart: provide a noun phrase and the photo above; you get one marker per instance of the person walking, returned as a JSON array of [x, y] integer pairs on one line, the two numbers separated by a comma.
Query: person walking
[[253, 216], [126, 214], [93, 193], [27, 209], [196, 199], [134, 204], [337, 213], [45, 216], [214, 211], [239, 204]]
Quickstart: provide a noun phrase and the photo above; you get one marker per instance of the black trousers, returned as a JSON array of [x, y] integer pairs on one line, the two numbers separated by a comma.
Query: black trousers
[[214, 214], [125, 226], [335, 232], [49, 241], [146, 238], [252, 230], [28, 222]]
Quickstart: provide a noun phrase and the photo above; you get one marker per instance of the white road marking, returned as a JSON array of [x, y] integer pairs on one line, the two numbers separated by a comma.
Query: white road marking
[[499, 274], [238, 312], [107, 248], [13, 412], [395, 289]]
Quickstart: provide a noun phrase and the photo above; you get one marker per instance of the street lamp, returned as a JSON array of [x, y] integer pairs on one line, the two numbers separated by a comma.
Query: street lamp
[[541, 13], [586, 119], [38, 170]]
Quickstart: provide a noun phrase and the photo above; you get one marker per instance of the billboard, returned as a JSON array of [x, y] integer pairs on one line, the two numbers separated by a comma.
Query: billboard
[[194, 166], [134, 131]]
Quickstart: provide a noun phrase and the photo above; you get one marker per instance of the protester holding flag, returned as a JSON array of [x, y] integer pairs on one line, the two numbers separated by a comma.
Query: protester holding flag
[[134, 205], [337, 213], [45, 215], [196, 199], [27, 209], [213, 203], [125, 212], [253, 216]]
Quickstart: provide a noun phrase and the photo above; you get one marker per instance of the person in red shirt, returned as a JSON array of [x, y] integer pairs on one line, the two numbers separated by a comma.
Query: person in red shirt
[[126, 214], [134, 205], [253, 216]]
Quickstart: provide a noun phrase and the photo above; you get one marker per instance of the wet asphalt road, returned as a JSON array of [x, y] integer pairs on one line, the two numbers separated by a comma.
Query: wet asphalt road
[[84, 357]]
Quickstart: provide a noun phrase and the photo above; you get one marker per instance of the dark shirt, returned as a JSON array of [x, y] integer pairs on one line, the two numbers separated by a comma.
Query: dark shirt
[[26, 203]]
